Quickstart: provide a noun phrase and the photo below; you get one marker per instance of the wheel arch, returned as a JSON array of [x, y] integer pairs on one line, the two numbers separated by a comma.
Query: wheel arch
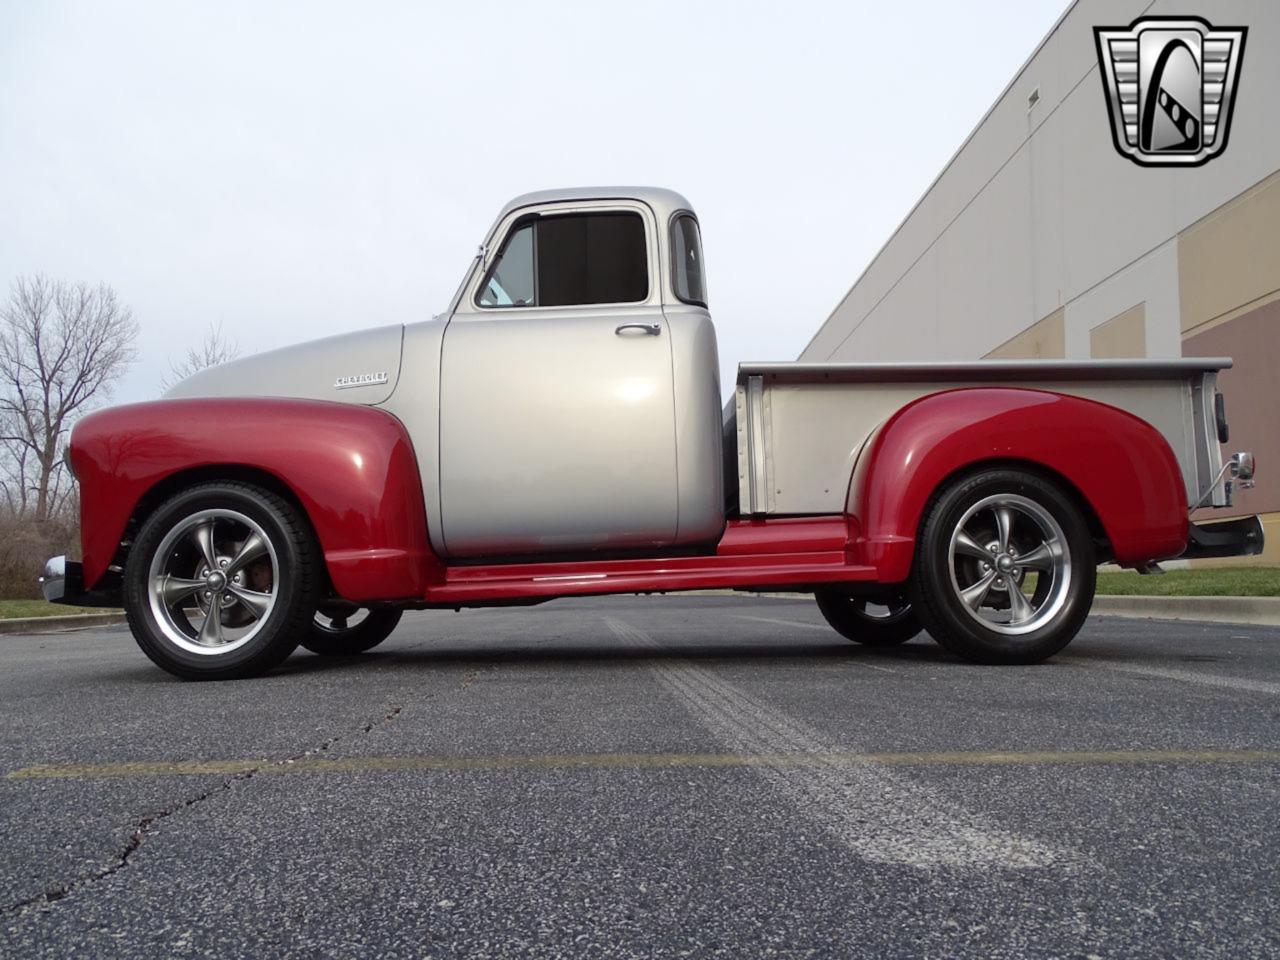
[[1073, 493], [349, 470], [1118, 468], [173, 483], [176, 482]]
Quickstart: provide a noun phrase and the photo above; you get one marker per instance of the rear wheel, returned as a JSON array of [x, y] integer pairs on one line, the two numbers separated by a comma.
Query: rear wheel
[[340, 631], [1004, 569], [220, 581], [875, 622]]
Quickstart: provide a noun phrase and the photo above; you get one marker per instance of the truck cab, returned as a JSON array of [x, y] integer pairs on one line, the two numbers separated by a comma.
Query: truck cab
[[579, 390]]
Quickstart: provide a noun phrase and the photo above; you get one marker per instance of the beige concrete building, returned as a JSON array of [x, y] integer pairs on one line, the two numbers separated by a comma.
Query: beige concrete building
[[1039, 239]]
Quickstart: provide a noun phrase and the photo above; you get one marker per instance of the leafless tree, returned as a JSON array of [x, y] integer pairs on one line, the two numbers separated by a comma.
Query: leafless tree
[[62, 346], [216, 348]]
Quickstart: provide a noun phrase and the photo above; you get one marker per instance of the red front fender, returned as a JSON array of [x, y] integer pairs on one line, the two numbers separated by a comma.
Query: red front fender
[[352, 469], [1117, 462]]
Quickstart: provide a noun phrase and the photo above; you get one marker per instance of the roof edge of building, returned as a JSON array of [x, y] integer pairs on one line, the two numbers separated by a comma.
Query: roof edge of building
[[945, 167]]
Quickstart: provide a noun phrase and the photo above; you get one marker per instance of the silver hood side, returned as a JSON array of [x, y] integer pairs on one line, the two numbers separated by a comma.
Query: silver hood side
[[360, 367]]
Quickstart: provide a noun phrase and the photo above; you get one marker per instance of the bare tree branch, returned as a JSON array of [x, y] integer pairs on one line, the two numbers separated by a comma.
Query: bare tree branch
[[216, 348], [62, 346]]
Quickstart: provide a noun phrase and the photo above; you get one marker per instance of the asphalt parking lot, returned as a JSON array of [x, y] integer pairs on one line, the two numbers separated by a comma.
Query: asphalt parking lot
[[646, 777]]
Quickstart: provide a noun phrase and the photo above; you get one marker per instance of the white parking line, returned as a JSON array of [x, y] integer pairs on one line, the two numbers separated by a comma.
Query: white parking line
[[784, 623], [880, 814], [1188, 676], [806, 626]]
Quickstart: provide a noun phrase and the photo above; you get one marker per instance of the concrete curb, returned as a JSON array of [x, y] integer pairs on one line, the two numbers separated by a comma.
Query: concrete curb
[[1261, 611], [57, 624]]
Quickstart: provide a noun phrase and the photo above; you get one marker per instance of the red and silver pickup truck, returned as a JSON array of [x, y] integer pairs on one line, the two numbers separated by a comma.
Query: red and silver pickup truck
[[558, 432]]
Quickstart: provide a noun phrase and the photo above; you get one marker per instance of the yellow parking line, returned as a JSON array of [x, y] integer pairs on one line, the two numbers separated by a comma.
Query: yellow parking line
[[191, 768]]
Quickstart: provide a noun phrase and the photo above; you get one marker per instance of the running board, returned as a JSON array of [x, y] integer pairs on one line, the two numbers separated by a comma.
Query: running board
[[756, 554]]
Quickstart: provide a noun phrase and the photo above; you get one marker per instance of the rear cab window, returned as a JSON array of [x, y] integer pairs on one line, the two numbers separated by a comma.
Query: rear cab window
[[570, 259], [688, 280]]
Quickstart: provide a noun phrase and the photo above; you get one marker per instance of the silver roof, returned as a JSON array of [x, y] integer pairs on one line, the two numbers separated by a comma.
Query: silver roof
[[663, 202]]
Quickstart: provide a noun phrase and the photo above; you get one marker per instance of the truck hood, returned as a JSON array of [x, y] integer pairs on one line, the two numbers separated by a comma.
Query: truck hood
[[357, 367]]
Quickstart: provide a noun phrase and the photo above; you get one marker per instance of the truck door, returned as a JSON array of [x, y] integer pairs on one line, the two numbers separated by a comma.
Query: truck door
[[557, 409]]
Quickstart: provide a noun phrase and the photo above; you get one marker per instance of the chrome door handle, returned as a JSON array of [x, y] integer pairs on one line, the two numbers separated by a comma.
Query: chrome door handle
[[652, 329]]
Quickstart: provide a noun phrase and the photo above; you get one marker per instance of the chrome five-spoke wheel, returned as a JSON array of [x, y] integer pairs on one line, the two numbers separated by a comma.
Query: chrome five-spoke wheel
[[1010, 566], [216, 568], [1004, 567], [221, 581]]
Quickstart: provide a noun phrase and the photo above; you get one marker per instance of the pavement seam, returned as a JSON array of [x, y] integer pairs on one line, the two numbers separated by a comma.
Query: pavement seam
[[145, 825], [878, 815], [393, 763]]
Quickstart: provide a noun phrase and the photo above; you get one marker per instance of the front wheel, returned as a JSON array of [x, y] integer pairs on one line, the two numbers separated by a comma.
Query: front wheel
[[220, 581], [874, 622], [1004, 569], [343, 631]]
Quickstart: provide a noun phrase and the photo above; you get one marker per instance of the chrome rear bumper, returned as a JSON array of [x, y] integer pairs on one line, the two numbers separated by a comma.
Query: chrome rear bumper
[[1228, 538]]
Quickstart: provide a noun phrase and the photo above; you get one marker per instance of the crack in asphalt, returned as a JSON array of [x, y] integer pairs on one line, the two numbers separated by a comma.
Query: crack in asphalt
[[143, 827]]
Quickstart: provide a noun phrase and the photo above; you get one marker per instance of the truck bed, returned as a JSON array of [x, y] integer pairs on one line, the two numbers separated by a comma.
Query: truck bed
[[796, 429]]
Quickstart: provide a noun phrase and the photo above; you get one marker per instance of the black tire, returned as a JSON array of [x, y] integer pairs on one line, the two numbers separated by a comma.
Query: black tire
[[291, 582], [328, 640], [849, 616], [1061, 596]]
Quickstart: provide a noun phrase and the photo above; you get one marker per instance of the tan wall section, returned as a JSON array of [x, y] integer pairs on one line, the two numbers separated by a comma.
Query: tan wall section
[[1124, 335], [1232, 256], [1252, 340], [1046, 340]]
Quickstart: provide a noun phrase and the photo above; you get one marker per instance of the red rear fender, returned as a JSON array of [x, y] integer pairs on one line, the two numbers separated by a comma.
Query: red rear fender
[[1118, 463], [351, 468]]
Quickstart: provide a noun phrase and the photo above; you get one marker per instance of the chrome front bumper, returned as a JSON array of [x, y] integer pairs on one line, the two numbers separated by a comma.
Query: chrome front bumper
[[54, 582], [63, 582]]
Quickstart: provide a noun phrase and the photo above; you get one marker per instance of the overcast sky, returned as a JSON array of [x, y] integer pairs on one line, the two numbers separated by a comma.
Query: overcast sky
[[296, 170]]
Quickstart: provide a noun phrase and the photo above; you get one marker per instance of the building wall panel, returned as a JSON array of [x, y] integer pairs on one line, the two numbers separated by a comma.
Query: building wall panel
[[1045, 340], [1232, 256], [1253, 342], [1124, 335]]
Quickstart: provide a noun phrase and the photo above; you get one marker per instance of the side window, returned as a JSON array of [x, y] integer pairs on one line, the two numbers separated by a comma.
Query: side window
[[688, 281], [558, 261]]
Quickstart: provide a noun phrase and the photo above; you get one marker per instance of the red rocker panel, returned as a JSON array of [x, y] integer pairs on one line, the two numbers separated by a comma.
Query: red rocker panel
[[1119, 463], [352, 468], [752, 554]]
